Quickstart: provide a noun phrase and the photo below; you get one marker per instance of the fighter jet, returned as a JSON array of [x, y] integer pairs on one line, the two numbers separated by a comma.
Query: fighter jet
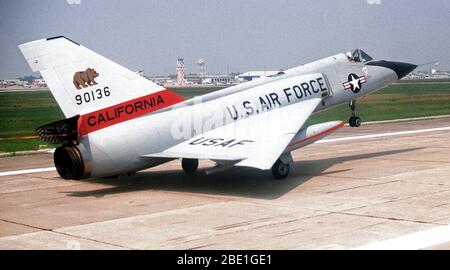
[[118, 122]]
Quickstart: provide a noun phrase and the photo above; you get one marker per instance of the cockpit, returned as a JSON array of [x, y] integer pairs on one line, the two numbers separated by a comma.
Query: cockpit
[[358, 56]]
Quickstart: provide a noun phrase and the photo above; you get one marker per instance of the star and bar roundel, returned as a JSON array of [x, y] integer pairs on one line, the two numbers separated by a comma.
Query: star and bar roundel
[[354, 82]]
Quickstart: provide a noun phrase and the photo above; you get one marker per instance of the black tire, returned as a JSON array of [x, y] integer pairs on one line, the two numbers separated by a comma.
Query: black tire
[[189, 165], [354, 121], [351, 121], [280, 170]]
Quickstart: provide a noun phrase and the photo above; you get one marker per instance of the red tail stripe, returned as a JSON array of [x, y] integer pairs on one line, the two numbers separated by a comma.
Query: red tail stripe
[[125, 111]]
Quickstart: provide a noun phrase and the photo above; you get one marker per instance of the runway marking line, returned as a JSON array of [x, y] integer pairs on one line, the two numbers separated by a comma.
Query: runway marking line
[[48, 169], [382, 135], [418, 240], [321, 141]]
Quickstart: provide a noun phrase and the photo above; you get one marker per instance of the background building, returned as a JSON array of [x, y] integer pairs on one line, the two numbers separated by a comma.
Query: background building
[[251, 75]]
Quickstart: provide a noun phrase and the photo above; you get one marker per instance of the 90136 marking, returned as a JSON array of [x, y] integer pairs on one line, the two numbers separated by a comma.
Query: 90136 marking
[[92, 95]]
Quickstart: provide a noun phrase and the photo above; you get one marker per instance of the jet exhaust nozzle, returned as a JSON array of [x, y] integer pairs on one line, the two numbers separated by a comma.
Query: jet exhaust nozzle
[[69, 163]]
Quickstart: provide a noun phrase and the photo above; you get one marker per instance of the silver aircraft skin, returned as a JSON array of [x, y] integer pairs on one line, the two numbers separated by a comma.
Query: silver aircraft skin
[[118, 122]]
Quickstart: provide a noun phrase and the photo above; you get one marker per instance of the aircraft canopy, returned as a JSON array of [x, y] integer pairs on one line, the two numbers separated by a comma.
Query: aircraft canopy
[[359, 55]]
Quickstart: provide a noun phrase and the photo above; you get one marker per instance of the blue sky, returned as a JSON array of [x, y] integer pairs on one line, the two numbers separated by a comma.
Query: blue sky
[[244, 35]]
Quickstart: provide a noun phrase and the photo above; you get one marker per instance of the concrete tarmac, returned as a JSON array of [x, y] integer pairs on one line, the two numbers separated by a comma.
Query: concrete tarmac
[[345, 192]]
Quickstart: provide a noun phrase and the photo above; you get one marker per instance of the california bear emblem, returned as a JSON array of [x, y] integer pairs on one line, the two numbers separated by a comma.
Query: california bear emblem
[[83, 79]]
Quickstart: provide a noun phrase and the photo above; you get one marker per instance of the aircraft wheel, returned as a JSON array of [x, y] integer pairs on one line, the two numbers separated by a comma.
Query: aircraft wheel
[[351, 121], [354, 121], [280, 170], [189, 165]]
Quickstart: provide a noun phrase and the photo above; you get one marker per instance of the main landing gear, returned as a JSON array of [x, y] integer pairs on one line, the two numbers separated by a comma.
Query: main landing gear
[[190, 165], [280, 170], [353, 121]]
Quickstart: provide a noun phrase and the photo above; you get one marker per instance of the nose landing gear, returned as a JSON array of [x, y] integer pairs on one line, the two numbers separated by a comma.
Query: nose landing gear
[[353, 121]]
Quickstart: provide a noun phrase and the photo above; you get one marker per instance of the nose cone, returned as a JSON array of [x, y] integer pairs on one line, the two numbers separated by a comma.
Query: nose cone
[[400, 68]]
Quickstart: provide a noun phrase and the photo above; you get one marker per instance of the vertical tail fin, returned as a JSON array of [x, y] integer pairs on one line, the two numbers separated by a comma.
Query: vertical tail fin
[[84, 82]]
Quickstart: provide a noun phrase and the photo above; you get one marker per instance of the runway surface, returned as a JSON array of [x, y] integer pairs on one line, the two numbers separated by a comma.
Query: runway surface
[[377, 186]]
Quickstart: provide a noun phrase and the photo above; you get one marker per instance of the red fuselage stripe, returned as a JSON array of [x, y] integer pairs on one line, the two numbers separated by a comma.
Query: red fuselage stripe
[[125, 111], [319, 134]]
